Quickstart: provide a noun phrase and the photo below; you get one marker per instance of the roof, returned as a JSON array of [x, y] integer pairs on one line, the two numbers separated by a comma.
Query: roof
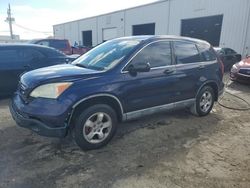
[[25, 45], [155, 37]]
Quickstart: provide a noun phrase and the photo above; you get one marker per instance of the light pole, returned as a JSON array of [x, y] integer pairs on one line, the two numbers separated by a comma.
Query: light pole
[[10, 20]]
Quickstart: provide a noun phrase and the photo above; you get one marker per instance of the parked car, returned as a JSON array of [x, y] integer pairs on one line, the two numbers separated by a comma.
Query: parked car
[[228, 56], [60, 44], [119, 80], [241, 71], [80, 49], [63, 45], [15, 59]]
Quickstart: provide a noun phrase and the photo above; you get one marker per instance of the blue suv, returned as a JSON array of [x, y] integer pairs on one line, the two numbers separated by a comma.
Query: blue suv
[[119, 80]]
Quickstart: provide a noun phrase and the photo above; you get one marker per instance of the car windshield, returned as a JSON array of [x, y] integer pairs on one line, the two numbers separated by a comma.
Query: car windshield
[[106, 55]]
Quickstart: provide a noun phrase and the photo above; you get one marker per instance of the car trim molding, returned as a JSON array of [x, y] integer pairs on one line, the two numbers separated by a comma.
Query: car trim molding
[[244, 75], [205, 83], [155, 109], [99, 95]]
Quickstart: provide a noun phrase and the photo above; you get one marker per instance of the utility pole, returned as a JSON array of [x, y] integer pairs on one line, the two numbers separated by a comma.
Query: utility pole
[[10, 20]]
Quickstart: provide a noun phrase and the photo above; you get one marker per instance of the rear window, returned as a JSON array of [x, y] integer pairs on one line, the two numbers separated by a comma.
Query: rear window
[[59, 44], [207, 53]]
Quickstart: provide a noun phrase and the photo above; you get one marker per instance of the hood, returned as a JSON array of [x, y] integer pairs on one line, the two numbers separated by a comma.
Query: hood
[[57, 73], [245, 63]]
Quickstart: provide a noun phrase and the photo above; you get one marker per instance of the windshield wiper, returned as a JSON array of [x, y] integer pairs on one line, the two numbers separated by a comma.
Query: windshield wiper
[[80, 65]]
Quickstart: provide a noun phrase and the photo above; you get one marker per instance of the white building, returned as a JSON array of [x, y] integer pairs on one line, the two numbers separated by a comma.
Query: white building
[[224, 23]]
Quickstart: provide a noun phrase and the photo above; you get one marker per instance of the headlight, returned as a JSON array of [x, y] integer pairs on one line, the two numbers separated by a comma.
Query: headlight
[[51, 91], [234, 69]]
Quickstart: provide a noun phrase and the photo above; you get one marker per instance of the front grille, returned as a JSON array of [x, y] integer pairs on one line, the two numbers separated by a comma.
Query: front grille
[[244, 71], [23, 92]]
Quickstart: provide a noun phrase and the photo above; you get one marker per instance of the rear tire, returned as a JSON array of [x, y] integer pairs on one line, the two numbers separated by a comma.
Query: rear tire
[[204, 102], [95, 127]]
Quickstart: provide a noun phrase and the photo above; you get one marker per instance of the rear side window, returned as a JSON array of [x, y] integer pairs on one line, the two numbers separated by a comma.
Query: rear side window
[[186, 52], [158, 54], [207, 53], [59, 44], [43, 43], [229, 51], [53, 53], [8, 56]]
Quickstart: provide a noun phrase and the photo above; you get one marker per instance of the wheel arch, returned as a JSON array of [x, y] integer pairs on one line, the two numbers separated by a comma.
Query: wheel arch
[[104, 98], [213, 85]]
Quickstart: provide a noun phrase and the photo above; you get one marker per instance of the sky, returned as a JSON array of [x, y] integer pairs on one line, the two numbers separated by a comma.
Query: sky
[[35, 18]]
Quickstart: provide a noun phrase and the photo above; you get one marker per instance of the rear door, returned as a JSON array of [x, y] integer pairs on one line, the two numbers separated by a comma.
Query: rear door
[[189, 69], [153, 88], [12, 65]]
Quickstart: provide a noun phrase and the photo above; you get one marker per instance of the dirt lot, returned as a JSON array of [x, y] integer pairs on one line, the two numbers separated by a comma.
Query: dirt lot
[[171, 150]]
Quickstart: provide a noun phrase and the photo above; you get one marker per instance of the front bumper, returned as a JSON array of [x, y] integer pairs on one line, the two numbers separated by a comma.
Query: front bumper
[[240, 78], [34, 123]]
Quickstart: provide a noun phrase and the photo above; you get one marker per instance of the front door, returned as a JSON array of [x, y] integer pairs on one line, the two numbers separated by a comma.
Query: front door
[[154, 88]]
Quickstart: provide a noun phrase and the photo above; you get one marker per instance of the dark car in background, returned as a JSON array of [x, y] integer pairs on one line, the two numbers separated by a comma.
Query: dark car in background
[[241, 71], [15, 59], [228, 56], [119, 80]]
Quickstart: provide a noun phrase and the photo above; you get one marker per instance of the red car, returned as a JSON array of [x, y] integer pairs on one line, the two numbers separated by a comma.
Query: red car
[[60, 44], [241, 71]]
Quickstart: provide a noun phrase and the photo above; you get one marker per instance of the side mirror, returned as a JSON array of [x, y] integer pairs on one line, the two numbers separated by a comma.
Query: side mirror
[[139, 67], [67, 61]]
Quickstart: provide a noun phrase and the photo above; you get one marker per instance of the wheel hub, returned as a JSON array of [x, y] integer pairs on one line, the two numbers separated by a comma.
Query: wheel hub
[[97, 127]]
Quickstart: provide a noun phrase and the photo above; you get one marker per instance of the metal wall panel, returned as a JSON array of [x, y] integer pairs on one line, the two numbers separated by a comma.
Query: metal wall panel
[[152, 13], [234, 18], [71, 32], [167, 16], [59, 31], [86, 25], [113, 20]]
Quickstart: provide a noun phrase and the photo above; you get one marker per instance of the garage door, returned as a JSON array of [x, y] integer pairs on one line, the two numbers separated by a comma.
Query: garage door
[[109, 33], [206, 28], [144, 29]]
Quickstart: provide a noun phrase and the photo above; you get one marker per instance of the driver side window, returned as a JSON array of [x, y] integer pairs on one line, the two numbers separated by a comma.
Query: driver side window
[[157, 54]]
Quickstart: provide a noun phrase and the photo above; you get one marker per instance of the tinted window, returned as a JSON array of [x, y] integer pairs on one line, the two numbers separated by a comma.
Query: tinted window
[[8, 56], [156, 54], [106, 55], [44, 43], [186, 52], [207, 53], [59, 44], [52, 53], [229, 51]]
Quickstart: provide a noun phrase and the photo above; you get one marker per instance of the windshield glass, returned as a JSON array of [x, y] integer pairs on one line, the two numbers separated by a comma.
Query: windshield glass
[[106, 55]]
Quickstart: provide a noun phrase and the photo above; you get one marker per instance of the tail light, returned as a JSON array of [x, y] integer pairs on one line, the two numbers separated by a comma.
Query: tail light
[[221, 65], [219, 61]]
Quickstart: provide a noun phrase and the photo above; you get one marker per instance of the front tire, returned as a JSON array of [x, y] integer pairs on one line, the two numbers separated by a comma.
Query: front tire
[[204, 102], [95, 127]]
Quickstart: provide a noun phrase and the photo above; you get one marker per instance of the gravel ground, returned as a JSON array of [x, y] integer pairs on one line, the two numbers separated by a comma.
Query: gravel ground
[[173, 149]]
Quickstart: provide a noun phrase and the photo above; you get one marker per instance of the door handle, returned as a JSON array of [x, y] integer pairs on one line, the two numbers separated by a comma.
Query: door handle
[[168, 71]]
